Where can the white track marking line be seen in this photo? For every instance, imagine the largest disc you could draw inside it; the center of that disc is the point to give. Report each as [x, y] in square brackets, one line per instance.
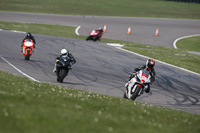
[76, 31]
[18, 31]
[121, 48]
[115, 44]
[13, 31]
[160, 61]
[174, 44]
[19, 70]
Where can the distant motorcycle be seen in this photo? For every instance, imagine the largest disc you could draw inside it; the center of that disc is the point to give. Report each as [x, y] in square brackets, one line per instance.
[63, 68]
[137, 85]
[27, 48]
[94, 35]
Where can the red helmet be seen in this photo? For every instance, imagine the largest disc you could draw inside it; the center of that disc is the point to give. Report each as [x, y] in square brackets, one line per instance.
[150, 63]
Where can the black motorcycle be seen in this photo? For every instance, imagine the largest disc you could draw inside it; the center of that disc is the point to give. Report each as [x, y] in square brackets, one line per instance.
[63, 68]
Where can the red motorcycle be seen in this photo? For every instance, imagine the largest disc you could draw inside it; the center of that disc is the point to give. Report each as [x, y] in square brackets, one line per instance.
[94, 35]
[27, 48]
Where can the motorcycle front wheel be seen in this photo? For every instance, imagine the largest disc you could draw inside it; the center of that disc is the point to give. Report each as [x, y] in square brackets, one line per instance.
[27, 57]
[61, 75]
[135, 93]
[88, 38]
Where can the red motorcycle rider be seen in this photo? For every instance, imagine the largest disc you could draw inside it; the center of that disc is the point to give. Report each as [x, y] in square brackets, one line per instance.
[28, 36]
[99, 33]
[95, 35]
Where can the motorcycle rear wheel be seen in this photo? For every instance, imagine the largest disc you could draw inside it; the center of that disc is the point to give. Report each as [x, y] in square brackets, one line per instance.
[124, 96]
[95, 38]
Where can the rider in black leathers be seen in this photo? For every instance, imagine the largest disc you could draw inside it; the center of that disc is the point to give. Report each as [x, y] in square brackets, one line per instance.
[150, 67]
[29, 36]
[65, 52]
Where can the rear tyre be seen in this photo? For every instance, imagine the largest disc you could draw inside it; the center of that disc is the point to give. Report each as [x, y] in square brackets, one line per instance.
[148, 89]
[58, 79]
[95, 38]
[124, 96]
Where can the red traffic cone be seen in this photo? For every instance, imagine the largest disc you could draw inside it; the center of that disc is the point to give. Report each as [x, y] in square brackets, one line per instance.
[156, 34]
[129, 30]
[104, 28]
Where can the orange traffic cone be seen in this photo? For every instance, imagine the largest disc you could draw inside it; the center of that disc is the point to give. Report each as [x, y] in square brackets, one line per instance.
[156, 34]
[104, 28]
[129, 30]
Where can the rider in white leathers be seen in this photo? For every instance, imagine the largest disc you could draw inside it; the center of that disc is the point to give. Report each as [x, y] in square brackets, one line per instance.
[150, 63]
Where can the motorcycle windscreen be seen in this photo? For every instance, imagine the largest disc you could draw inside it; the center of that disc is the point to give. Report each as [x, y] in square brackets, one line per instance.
[65, 60]
[145, 76]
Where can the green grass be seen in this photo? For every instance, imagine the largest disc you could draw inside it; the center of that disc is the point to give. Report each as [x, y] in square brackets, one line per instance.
[56, 30]
[31, 107]
[169, 55]
[172, 56]
[130, 8]
[189, 44]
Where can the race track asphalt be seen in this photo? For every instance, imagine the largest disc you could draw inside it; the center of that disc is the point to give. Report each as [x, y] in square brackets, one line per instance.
[101, 68]
[142, 29]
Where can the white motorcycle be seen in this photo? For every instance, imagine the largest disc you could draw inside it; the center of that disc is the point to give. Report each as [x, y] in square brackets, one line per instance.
[138, 84]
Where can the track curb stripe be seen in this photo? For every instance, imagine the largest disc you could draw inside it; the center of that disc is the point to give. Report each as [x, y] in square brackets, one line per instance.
[174, 43]
[19, 70]
[121, 48]
[76, 31]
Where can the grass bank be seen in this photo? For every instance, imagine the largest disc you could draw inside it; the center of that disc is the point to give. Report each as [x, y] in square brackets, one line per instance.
[130, 8]
[189, 44]
[176, 57]
[31, 107]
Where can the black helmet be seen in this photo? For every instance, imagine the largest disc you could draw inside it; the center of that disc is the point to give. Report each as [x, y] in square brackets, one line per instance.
[150, 63]
[29, 35]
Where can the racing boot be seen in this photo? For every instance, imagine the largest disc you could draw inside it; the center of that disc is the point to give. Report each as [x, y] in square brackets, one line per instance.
[148, 89]
[54, 70]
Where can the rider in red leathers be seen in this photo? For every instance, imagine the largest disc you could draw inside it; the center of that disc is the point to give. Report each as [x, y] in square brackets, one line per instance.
[99, 33]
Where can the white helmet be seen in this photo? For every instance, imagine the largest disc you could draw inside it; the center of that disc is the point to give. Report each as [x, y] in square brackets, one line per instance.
[64, 52]
[100, 29]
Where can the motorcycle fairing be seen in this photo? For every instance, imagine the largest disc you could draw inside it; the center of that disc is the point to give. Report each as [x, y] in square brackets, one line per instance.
[93, 33]
[141, 79]
[28, 45]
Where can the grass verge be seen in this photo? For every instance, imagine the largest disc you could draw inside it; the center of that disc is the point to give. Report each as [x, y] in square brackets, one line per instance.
[176, 57]
[189, 44]
[28, 106]
[130, 8]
